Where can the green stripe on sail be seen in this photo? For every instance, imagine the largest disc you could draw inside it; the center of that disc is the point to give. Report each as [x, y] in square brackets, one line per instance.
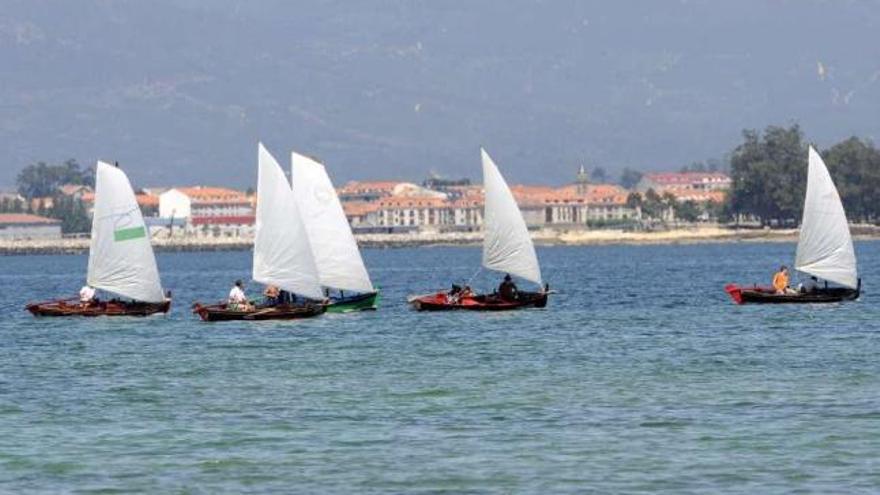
[129, 234]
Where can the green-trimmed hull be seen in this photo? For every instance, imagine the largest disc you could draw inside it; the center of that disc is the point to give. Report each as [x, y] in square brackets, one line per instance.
[360, 302]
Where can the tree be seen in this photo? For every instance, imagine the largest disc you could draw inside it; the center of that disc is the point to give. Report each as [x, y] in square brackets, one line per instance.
[689, 210]
[693, 167]
[769, 175]
[41, 179]
[629, 178]
[855, 167]
[71, 212]
[653, 205]
[634, 200]
[598, 175]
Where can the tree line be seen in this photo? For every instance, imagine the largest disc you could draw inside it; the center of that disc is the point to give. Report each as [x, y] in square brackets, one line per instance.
[769, 173]
[44, 180]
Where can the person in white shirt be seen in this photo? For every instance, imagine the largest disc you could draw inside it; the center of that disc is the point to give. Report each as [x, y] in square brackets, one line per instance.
[87, 295]
[237, 298]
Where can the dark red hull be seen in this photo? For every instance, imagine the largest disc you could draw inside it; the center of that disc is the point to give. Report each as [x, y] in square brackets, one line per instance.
[767, 295]
[221, 312]
[441, 301]
[108, 308]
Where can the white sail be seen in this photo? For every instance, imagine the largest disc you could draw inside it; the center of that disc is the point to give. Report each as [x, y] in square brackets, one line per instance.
[336, 253]
[825, 248]
[121, 259]
[507, 246]
[282, 255]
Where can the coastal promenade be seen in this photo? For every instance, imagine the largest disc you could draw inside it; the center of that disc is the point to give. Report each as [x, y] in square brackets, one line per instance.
[546, 237]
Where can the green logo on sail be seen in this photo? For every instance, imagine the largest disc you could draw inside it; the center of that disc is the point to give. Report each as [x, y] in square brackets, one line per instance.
[129, 234]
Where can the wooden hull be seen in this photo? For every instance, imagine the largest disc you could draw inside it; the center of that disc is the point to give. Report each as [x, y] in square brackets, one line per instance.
[360, 302]
[488, 302]
[103, 308]
[766, 295]
[220, 312]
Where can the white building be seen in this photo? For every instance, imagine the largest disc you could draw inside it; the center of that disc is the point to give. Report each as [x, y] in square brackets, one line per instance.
[209, 211]
[194, 202]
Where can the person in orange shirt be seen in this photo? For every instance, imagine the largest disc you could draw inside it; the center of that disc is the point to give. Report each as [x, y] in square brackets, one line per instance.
[780, 280]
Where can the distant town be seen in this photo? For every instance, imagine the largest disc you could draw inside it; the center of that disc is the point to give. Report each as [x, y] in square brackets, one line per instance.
[762, 186]
[437, 205]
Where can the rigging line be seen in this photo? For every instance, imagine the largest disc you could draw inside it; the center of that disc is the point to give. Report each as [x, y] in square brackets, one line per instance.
[480, 269]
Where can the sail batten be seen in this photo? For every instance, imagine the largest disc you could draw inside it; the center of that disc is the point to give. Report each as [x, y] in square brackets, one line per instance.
[825, 248]
[336, 253]
[282, 254]
[507, 245]
[121, 259]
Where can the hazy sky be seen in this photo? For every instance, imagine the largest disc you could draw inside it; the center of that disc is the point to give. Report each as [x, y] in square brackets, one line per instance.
[180, 91]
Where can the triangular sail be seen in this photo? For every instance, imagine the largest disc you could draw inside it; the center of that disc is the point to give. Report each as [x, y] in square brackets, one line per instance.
[507, 246]
[121, 259]
[825, 248]
[282, 255]
[336, 253]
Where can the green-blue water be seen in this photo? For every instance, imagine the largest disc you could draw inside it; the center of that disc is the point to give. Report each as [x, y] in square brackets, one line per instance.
[640, 376]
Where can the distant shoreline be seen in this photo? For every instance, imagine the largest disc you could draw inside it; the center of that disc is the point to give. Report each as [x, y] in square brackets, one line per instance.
[699, 235]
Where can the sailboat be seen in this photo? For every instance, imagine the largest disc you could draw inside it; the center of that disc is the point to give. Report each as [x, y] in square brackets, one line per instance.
[282, 254]
[824, 250]
[336, 254]
[121, 259]
[507, 248]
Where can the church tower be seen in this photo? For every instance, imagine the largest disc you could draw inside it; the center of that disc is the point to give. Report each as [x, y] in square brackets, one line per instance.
[582, 182]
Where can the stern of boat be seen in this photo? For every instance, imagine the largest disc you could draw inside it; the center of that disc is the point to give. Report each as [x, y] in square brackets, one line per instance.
[361, 302]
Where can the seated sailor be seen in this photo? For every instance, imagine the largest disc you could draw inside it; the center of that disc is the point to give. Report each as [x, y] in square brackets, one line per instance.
[508, 290]
[780, 281]
[272, 295]
[238, 301]
[285, 298]
[87, 295]
[454, 293]
[810, 286]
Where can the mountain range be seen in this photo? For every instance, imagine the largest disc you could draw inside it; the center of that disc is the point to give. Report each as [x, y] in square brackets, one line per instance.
[180, 91]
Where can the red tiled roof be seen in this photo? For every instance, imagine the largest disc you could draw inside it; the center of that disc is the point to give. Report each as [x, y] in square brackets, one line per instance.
[145, 199]
[142, 199]
[224, 220]
[412, 202]
[71, 189]
[218, 195]
[672, 178]
[25, 219]
[359, 187]
[358, 208]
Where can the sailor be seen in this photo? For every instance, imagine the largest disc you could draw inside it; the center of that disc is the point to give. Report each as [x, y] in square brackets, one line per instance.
[87, 295]
[454, 293]
[507, 289]
[780, 280]
[811, 285]
[237, 298]
[467, 292]
[272, 295]
[285, 297]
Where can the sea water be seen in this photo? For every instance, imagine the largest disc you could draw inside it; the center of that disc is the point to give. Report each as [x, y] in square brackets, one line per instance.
[639, 376]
